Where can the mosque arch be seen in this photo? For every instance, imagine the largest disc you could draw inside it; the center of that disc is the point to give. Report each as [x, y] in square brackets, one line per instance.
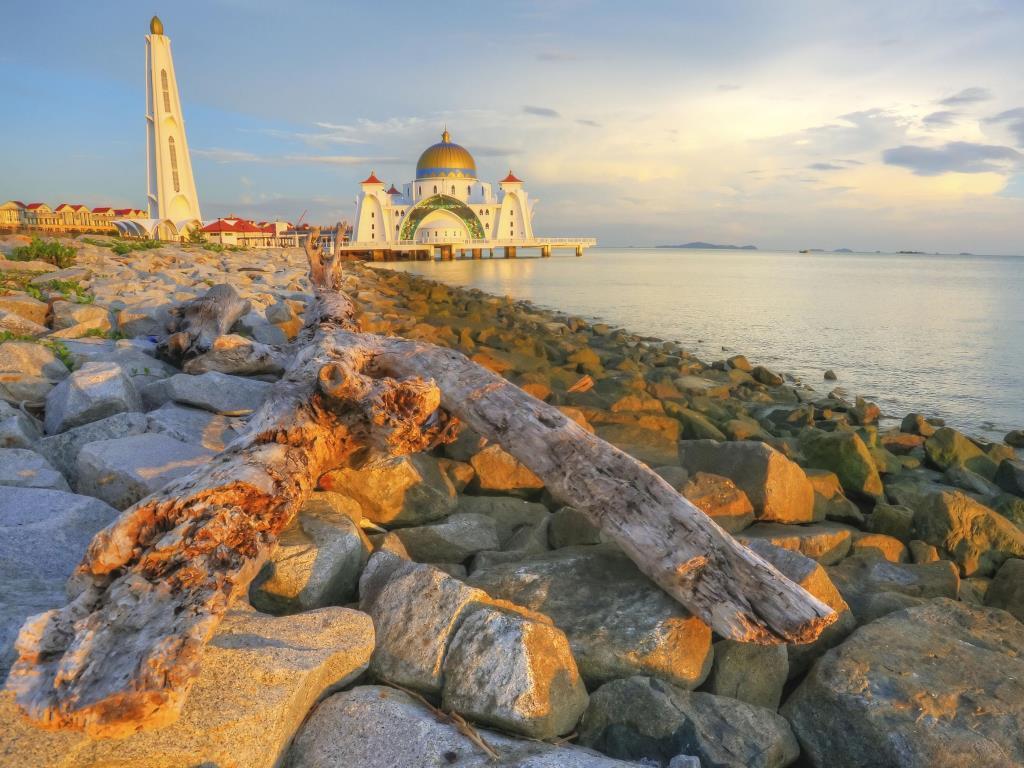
[446, 203]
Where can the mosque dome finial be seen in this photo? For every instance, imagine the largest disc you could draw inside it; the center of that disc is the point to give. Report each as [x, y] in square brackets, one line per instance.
[156, 27]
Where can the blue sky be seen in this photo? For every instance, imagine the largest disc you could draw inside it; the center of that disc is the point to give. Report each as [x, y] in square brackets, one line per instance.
[870, 125]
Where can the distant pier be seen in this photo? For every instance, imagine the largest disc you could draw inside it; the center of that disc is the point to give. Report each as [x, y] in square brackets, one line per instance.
[417, 250]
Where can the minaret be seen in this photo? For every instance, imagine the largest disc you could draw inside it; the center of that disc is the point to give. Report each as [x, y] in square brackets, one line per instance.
[172, 189]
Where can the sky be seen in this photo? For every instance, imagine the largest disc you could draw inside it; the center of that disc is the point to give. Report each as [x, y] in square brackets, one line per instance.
[787, 124]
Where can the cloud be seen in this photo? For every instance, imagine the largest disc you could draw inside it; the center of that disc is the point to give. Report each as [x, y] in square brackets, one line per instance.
[825, 167]
[941, 118]
[953, 157]
[589, 123]
[970, 95]
[222, 156]
[1014, 119]
[540, 111]
[219, 155]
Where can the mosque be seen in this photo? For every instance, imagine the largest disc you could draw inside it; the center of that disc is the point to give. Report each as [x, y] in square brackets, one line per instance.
[447, 209]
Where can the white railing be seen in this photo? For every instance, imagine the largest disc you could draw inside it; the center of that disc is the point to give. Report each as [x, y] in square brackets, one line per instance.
[533, 242]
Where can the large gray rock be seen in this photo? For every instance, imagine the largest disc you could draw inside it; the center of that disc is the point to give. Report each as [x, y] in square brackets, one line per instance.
[1010, 477]
[62, 450]
[936, 686]
[752, 673]
[318, 559]
[195, 425]
[416, 611]
[640, 718]
[827, 542]
[978, 538]
[259, 679]
[17, 429]
[452, 540]
[27, 469]
[861, 578]
[514, 673]
[947, 448]
[509, 514]
[406, 490]
[618, 622]
[95, 391]
[1007, 589]
[216, 392]
[777, 487]
[720, 499]
[43, 535]
[123, 470]
[499, 472]
[373, 726]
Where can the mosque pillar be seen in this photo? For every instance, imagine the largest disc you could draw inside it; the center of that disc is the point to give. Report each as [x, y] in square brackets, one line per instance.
[545, 251]
[462, 253]
[510, 252]
[477, 253]
[579, 250]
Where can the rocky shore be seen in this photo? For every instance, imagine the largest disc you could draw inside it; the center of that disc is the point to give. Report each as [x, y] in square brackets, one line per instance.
[444, 609]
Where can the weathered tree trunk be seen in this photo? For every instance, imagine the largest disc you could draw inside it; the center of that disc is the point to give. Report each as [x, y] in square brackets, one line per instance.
[155, 584]
[196, 324]
[679, 547]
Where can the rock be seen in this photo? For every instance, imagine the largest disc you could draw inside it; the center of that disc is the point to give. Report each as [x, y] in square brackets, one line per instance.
[778, 488]
[865, 412]
[569, 527]
[617, 621]
[23, 468]
[696, 426]
[216, 392]
[720, 499]
[879, 545]
[19, 326]
[95, 391]
[976, 537]
[765, 376]
[1015, 438]
[651, 446]
[739, 362]
[259, 679]
[26, 307]
[1010, 477]
[845, 454]
[236, 355]
[68, 314]
[936, 686]
[510, 515]
[921, 552]
[373, 726]
[124, 470]
[900, 443]
[947, 448]
[829, 501]
[28, 371]
[640, 718]
[17, 429]
[195, 425]
[752, 673]
[405, 490]
[318, 559]
[62, 450]
[892, 520]
[416, 611]
[916, 424]
[498, 472]
[827, 543]
[860, 577]
[459, 473]
[43, 535]
[455, 539]
[519, 675]
[1007, 589]
[830, 375]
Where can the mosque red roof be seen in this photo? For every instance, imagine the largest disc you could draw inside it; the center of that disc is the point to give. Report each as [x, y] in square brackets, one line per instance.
[393, 191]
[372, 179]
[511, 179]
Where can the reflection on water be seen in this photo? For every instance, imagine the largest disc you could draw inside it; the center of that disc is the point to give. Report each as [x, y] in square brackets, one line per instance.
[943, 335]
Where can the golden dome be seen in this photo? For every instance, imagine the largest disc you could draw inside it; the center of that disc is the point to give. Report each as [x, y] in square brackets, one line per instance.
[446, 159]
[156, 27]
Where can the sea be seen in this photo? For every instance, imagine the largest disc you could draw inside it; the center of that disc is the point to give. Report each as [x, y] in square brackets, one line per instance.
[940, 335]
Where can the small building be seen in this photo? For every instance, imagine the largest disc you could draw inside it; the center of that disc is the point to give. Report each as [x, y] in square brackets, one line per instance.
[11, 214]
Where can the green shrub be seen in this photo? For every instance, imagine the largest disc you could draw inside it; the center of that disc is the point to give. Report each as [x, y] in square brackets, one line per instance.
[121, 247]
[52, 252]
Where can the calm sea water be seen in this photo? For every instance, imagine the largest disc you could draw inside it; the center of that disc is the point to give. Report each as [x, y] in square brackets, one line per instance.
[942, 335]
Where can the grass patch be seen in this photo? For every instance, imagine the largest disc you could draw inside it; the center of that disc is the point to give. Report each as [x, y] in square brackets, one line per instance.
[50, 251]
[71, 290]
[121, 247]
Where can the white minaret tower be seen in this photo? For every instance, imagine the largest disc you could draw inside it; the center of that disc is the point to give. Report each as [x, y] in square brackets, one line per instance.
[172, 189]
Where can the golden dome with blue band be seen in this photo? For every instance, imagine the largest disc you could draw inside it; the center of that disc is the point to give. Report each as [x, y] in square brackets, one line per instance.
[446, 159]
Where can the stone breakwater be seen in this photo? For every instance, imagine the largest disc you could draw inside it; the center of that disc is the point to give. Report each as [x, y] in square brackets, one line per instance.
[456, 576]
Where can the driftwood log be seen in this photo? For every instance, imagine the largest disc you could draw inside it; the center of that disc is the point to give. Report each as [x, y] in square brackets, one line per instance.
[155, 584]
[196, 324]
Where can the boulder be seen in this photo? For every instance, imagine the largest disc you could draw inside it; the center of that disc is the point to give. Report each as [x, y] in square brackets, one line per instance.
[216, 392]
[827, 543]
[720, 499]
[19, 326]
[845, 454]
[43, 535]
[618, 622]
[947, 448]
[28, 371]
[25, 306]
[765, 376]
[372, 726]
[17, 429]
[260, 677]
[940, 685]
[62, 450]
[236, 355]
[569, 527]
[1007, 589]
[892, 520]
[978, 538]
[879, 545]
[405, 490]
[778, 488]
[519, 675]
[24, 468]
[499, 472]
[510, 515]
[651, 446]
[861, 577]
[93, 392]
[195, 425]
[752, 673]
[126, 469]
[829, 501]
[317, 561]
[1010, 477]
[68, 314]
[916, 424]
[641, 718]
[453, 540]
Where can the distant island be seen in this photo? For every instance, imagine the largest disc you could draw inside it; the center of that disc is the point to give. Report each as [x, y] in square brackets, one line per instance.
[712, 247]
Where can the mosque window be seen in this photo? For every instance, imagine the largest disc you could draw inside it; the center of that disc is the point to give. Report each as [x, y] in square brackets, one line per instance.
[371, 214]
[167, 91]
[419, 190]
[469, 191]
[435, 189]
[174, 163]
